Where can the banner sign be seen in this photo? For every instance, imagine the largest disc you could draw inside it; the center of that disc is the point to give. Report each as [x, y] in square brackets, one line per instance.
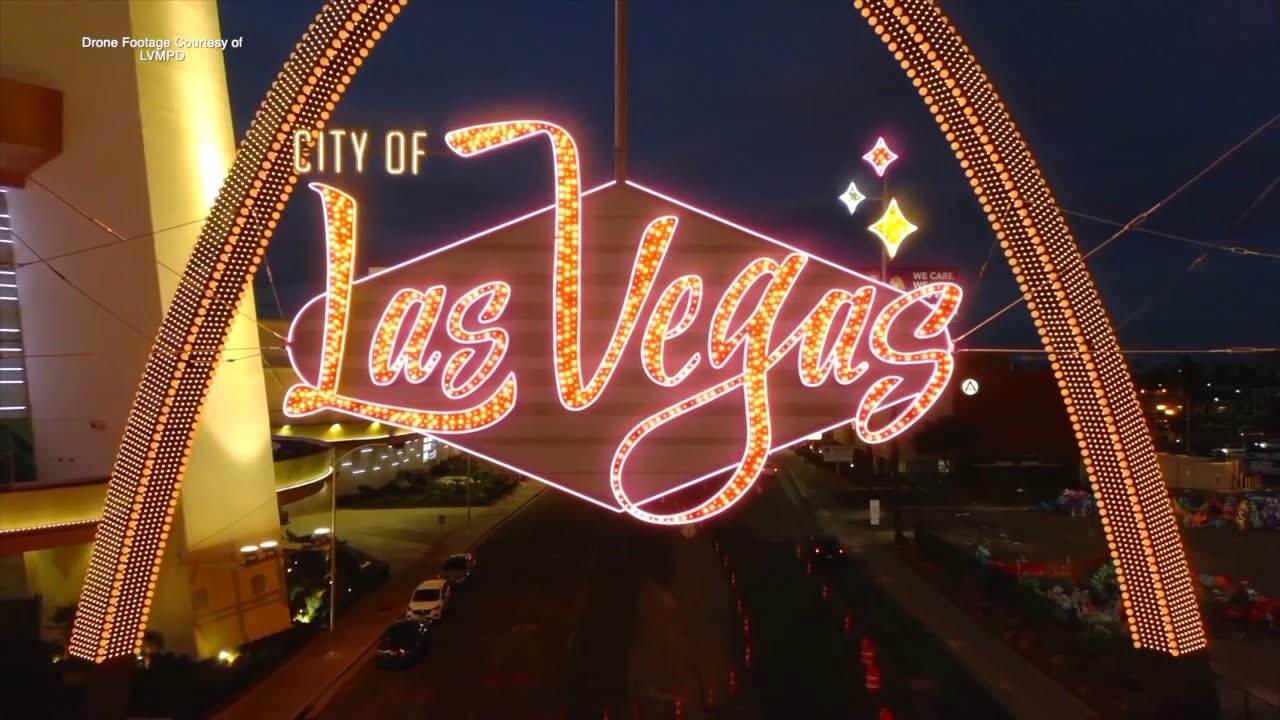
[914, 278]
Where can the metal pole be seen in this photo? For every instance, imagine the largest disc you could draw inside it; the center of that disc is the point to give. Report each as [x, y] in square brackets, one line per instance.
[333, 548]
[333, 531]
[620, 91]
[468, 493]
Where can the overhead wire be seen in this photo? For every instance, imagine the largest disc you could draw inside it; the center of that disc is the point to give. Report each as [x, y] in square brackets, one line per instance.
[99, 246]
[79, 289]
[120, 239]
[1141, 217]
[1233, 249]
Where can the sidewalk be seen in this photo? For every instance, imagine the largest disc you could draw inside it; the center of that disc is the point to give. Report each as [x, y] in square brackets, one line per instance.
[1022, 689]
[301, 681]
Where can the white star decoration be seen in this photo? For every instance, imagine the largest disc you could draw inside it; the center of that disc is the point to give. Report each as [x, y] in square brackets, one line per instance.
[851, 198]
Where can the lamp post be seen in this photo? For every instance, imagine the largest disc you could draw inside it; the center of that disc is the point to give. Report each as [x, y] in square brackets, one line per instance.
[332, 530]
[892, 229]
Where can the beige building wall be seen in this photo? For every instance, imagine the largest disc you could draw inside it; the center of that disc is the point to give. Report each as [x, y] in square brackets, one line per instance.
[146, 145]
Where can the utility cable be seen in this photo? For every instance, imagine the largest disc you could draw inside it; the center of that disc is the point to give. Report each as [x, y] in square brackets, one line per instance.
[1234, 249]
[1141, 217]
[120, 239]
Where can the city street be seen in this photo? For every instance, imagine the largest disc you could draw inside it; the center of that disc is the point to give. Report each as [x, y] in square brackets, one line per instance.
[805, 665]
[572, 610]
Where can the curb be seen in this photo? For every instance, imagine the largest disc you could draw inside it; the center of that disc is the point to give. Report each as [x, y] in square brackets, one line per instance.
[320, 701]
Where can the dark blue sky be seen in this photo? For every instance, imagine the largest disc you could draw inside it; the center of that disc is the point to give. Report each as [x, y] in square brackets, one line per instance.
[760, 111]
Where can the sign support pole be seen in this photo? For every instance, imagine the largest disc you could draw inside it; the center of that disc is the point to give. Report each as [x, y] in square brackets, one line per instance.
[620, 147]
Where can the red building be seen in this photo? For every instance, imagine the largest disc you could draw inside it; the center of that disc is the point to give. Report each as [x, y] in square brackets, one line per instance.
[1015, 408]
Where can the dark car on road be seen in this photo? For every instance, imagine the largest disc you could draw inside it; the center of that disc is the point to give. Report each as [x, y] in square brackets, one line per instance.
[403, 644]
[825, 547]
[458, 568]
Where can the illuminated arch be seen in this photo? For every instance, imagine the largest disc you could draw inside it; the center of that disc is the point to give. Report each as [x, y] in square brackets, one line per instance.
[1115, 443]
[143, 492]
[1096, 385]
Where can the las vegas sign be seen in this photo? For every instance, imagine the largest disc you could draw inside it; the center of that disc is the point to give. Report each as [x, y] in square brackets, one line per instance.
[619, 345]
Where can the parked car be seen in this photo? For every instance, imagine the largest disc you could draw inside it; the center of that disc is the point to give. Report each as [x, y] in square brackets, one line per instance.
[825, 547]
[430, 600]
[458, 568]
[404, 643]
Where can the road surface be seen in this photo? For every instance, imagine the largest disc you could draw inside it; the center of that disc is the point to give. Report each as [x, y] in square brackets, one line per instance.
[575, 611]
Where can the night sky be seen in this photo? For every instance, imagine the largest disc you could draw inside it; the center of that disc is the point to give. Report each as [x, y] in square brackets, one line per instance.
[760, 112]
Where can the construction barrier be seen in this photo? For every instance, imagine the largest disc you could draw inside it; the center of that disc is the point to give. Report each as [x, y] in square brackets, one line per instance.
[868, 651]
[873, 678]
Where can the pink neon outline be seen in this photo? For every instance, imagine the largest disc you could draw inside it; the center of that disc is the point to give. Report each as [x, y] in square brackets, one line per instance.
[399, 365]
[326, 397]
[721, 349]
[816, 258]
[499, 294]
[325, 191]
[784, 276]
[293, 326]
[889, 355]
[782, 446]
[866, 280]
[869, 158]
[689, 298]
[584, 394]
[826, 365]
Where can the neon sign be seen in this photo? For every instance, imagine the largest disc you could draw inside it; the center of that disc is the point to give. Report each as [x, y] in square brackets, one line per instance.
[1097, 387]
[700, 322]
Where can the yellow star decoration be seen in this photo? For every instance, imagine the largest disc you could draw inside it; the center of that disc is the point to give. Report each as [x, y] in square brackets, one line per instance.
[892, 228]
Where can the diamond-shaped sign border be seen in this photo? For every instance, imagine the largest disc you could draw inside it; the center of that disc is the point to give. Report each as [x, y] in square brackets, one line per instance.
[460, 440]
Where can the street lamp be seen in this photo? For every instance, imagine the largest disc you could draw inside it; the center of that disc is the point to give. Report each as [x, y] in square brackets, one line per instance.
[892, 230]
[331, 531]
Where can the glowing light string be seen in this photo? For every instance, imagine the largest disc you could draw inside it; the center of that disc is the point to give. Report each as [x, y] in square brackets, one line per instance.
[303, 399]
[1155, 580]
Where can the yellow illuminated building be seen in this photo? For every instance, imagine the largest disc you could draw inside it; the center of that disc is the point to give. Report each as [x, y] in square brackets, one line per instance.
[142, 149]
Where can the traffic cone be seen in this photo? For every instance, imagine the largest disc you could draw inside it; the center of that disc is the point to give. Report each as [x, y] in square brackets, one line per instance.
[873, 678]
[868, 651]
[679, 709]
[848, 624]
[733, 682]
[886, 714]
[826, 590]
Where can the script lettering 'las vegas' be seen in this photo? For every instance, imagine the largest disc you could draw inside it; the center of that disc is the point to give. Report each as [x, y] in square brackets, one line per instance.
[829, 341]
